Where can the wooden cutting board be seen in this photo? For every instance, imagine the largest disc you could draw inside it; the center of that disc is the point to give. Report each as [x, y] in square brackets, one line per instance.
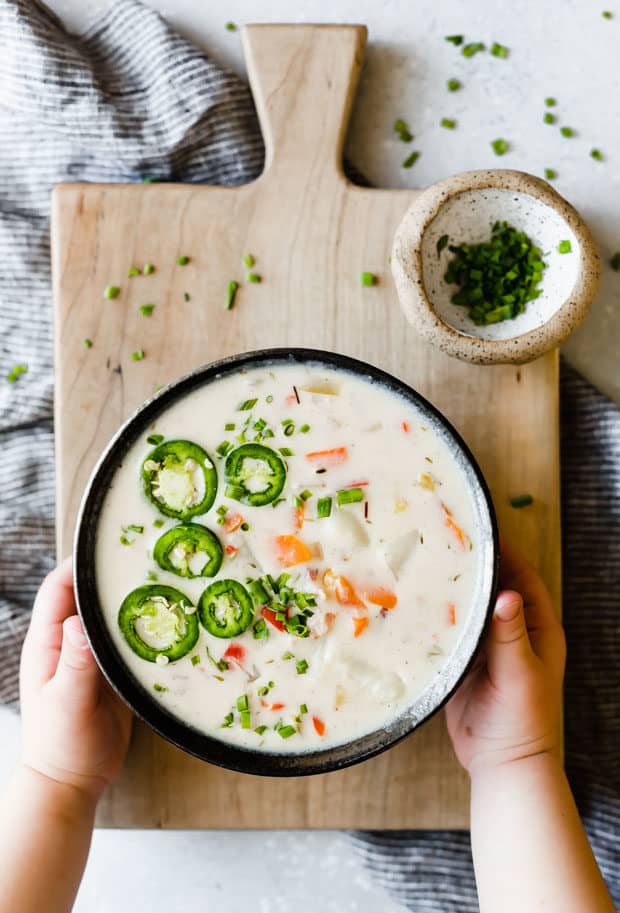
[312, 233]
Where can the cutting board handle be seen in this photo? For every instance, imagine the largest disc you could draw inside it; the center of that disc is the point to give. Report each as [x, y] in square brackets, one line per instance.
[303, 78]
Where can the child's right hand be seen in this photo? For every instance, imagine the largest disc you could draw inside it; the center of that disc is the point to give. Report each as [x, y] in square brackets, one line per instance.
[509, 706]
[75, 729]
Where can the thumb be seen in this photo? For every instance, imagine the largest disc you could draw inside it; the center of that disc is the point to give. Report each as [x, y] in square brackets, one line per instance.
[77, 674]
[508, 646]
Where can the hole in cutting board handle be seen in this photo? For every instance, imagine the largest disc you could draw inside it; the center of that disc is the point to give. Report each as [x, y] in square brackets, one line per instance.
[303, 78]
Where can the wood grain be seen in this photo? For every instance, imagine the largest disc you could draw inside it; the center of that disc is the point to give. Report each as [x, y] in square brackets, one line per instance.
[312, 234]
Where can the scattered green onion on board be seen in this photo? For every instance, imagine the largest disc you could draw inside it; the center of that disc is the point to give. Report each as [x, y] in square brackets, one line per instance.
[496, 278]
[597, 155]
[349, 496]
[249, 260]
[454, 39]
[567, 131]
[607, 14]
[147, 309]
[301, 666]
[549, 118]
[254, 277]
[154, 439]
[133, 271]
[231, 27]
[500, 146]
[475, 47]
[148, 269]
[550, 101]
[182, 260]
[323, 507]
[286, 731]
[565, 247]
[551, 174]
[138, 355]
[454, 85]
[111, 291]
[231, 292]
[521, 501]
[185, 296]
[448, 123]
[499, 50]
[88, 343]
[368, 279]
[160, 688]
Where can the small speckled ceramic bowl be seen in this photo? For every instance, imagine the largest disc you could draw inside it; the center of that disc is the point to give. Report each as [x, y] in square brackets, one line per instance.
[464, 207]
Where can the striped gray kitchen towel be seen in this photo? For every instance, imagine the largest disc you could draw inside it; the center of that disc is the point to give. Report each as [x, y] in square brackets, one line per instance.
[129, 99]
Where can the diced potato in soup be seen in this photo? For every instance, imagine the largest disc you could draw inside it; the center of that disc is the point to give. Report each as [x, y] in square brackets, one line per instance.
[288, 560]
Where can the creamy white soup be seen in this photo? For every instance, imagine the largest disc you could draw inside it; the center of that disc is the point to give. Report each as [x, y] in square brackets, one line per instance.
[287, 560]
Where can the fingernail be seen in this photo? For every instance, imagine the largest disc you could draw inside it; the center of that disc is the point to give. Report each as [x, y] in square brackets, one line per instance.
[74, 633]
[508, 606]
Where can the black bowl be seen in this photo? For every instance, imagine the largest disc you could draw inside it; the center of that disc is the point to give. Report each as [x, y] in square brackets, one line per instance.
[185, 736]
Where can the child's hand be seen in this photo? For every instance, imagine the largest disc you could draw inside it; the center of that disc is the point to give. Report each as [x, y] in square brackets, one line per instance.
[74, 728]
[509, 705]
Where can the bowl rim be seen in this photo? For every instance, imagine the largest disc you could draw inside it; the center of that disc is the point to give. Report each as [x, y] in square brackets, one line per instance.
[117, 673]
[407, 269]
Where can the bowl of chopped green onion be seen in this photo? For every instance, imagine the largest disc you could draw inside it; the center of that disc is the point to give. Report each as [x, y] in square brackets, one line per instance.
[494, 266]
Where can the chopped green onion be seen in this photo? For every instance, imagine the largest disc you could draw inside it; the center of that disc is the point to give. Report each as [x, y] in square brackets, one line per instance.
[448, 123]
[411, 159]
[228, 721]
[247, 404]
[551, 174]
[222, 510]
[147, 309]
[441, 244]
[254, 277]
[155, 439]
[521, 501]
[305, 429]
[246, 722]
[88, 343]
[231, 27]
[401, 128]
[496, 278]
[301, 666]
[229, 426]
[231, 293]
[288, 655]
[260, 729]
[549, 118]
[125, 541]
[245, 526]
[223, 448]
[349, 496]
[286, 451]
[195, 659]
[133, 271]
[242, 702]
[323, 507]
[454, 39]
[111, 291]
[135, 528]
[550, 102]
[567, 131]
[368, 279]
[565, 247]
[263, 691]
[160, 688]
[303, 708]
[454, 85]
[158, 523]
[182, 260]
[260, 630]
[607, 14]
[151, 576]
[269, 398]
[289, 430]
[148, 269]
[249, 261]
[138, 355]
[499, 50]
[615, 262]
[469, 50]
[286, 731]
[306, 494]
[185, 296]
[597, 155]
[500, 146]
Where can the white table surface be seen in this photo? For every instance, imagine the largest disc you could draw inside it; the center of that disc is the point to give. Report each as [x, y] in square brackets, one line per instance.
[562, 48]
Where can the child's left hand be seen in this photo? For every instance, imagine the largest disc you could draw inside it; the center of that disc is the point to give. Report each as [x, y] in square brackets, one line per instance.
[74, 727]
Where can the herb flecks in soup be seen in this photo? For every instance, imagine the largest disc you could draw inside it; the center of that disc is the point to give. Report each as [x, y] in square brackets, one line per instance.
[307, 562]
